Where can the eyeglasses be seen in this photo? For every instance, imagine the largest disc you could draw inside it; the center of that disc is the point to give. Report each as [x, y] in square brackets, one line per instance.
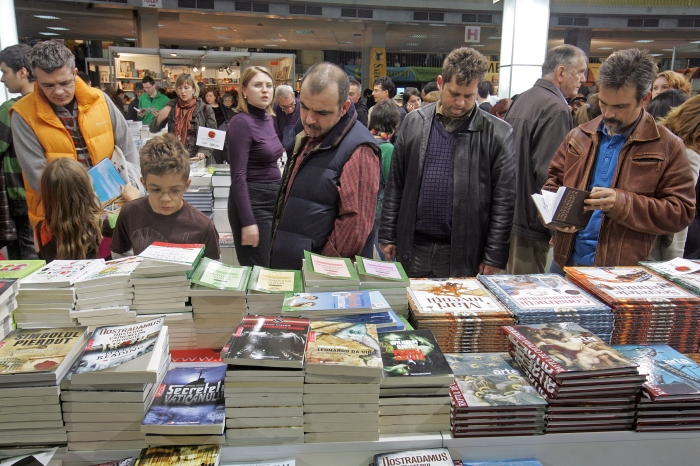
[51, 88]
[172, 193]
[288, 107]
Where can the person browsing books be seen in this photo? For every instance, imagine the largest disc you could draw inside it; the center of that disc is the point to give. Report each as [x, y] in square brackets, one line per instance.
[163, 215]
[151, 102]
[637, 171]
[253, 151]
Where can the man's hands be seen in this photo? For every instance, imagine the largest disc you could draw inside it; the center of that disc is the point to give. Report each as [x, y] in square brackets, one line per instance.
[601, 199]
[389, 251]
[488, 269]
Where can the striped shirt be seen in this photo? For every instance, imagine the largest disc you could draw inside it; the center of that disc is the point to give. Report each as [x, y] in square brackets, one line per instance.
[69, 117]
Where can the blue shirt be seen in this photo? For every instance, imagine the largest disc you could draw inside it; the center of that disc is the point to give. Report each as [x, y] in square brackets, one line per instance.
[604, 168]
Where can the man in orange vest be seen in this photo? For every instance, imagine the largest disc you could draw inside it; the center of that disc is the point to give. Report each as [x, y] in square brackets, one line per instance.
[63, 117]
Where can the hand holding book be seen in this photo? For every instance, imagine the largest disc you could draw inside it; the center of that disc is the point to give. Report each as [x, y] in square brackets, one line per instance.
[601, 199]
[566, 210]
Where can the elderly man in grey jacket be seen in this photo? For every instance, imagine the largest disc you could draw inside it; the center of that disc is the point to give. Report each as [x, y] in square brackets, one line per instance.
[541, 119]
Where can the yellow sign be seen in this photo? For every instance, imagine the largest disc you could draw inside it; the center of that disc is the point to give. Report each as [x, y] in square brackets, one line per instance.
[377, 63]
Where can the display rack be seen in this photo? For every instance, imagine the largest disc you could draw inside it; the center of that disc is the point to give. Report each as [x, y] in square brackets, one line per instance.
[98, 67]
[129, 65]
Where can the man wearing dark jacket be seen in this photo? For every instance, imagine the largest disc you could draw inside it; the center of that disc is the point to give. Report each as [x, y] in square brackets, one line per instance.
[355, 95]
[448, 202]
[541, 119]
[328, 197]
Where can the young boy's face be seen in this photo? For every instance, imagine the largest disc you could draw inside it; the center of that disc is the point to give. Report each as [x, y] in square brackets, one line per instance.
[165, 192]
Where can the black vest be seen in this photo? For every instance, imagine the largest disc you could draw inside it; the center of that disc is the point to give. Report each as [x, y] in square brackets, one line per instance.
[306, 219]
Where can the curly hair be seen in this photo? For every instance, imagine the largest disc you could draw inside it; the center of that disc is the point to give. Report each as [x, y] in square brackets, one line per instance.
[684, 122]
[73, 213]
[48, 56]
[676, 81]
[165, 154]
[466, 65]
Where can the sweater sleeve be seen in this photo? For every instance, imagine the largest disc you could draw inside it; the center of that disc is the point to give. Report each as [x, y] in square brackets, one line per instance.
[238, 153]
[5, 126]
[30, 152]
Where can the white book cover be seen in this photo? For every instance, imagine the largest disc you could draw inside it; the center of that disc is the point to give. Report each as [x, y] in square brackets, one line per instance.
[169, 252]
[62, 273]
[113, 271]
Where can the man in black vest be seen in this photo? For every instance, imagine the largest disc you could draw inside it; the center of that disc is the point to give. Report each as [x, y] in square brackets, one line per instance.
[449, 199]
[329, 190]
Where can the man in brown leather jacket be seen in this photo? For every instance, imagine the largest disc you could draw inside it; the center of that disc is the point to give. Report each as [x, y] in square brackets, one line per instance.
[637, 171]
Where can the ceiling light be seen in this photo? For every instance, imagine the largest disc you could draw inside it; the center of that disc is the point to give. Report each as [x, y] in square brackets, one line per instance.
[419, 36]
[223, 37]
[644, 41]
[302, 31]
[221, 28]
[204, 68]
[278, 40]
[173, 54]
[130, 39]
[437, 25]
[49, 34]
[476, 45]
[195, 69]
[494, 38]
[228, 70]
[667, 50]
[271, 45]
[657, 54]
[46, 17]
[160, 25]
[412, 44]
[695, 42]
[57, 28]
[605, 48]
[345, 42]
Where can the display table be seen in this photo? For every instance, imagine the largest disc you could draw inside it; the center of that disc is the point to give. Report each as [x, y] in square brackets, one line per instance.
[598, 448]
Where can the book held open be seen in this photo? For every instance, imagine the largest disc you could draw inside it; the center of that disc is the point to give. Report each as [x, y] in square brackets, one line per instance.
[563, 208]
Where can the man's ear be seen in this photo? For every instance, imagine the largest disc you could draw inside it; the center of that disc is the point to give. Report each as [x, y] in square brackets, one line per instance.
[187, 185]
[143, 182]
[440, 82]
[645, 100]
[345, 107]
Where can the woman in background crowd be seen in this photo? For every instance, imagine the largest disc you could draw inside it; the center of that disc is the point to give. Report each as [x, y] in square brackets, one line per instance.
[669, 80]
[184, 115]
[664, 102]
[211, 95]
[411, 99]
[431, 97]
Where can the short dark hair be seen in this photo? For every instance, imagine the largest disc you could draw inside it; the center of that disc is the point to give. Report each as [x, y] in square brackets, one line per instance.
[385, 117]
[387, 85]
[17, 57]
[565, 55]
[633, 68]
[138, 86]
[163, 155]
[355, 82]
[50, 55]
[465, 64]
[321, 75]
[410, 92]
[484, 89]
[661, 105]
[149, 80]
[84, 76]
[430, 87]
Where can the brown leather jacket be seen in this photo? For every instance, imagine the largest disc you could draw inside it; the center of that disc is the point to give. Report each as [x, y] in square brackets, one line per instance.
[654, 184]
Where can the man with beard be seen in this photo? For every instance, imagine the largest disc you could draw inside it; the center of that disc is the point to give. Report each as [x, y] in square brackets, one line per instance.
[640, 180]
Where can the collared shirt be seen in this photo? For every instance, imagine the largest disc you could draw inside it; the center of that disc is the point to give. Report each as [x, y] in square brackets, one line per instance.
[450, 123]
[603, 171]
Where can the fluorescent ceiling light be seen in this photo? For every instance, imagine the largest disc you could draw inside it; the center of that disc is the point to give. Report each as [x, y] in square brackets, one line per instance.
[130, 39]
[49, 34]
[419, 36]
[46, 17]
[695, 42]
[221, 28]
[605, 48]
[271, 45]
[173, 54]
[57, 28]
[476, 45]
[644, 41]
[657, 54]
[494, 38]
[223, 37]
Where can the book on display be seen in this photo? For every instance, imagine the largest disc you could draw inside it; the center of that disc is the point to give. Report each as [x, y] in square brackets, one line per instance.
[321, 271]
[413, 358]
[207, 455]
[431, 457]
[169, 257]
[563, 208]
[61, 273]
[19, 268]
[217, 275]
[113, 272]
[326, 304]
[39, 458]
[515, 462]
[380, 274]
[683, 272]
[338, 348]
[266, 281]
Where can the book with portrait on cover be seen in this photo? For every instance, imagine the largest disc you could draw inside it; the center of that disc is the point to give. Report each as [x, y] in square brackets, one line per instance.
[343, 348]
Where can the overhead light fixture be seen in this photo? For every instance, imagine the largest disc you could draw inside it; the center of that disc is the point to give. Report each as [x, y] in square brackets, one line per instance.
[656, 54]
[494, 38]
[223, 37]
[605, 48]
[419, 36]
[49, 34]
[278, 40]
[221, 28]
[130, 39]
[412, 44]
[195, 69]
[695, 42]
[668, 50]
[345, 43]
[160, 25]
[228, 70]
[57, 28]
[442, 25]
[204, 68]
[476, 45]
[271, 45]
[644, 41]
[46, 17]
[173, 54]
[303, 31]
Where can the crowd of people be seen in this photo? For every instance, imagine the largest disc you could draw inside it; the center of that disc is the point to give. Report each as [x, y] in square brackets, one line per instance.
[439, 178]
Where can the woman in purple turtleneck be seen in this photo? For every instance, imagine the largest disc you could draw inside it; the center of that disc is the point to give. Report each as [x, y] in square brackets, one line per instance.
[253, 151]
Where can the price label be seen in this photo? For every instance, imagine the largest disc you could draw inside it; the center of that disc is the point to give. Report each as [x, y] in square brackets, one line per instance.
[211, 138]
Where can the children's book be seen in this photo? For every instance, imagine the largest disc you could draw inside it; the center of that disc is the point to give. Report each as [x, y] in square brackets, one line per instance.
[19, 269]
[106, 181]
[62, 273]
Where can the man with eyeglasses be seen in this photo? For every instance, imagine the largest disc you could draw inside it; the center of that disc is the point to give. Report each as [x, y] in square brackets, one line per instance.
[286, 115]
[64, 117]
[151, 102]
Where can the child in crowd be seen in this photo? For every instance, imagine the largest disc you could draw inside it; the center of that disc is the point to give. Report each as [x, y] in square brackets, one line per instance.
[73, 226]
[163, 215]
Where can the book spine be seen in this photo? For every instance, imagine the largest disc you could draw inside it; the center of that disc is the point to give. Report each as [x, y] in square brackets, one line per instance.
[539, 379]
[550, 366]
[457, 397]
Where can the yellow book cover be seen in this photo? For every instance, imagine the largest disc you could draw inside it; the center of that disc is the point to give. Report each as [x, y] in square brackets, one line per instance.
[344, 344]
[39, 350]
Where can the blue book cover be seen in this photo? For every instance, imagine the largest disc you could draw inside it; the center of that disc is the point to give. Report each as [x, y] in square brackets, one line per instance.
[537, 293]
[670, 375]
[106, 181]
[308, 304]
[383, 320]
[189, 401]
[522, 462]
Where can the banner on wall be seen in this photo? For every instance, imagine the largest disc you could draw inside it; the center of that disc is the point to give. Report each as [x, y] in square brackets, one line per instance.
[377, 62]
[399, 74]
[152, 3]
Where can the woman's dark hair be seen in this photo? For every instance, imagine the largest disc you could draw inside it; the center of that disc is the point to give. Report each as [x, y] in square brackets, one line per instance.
[410, 91]
[385, 117]
[664, 102]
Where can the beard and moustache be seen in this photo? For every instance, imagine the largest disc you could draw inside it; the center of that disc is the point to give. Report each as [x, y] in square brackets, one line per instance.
[613, 125]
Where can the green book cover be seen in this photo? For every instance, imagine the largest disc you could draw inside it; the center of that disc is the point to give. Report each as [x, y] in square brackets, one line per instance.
[214, 274]
[19, 269]
[340, 268]
[385, 270]
[263, 280]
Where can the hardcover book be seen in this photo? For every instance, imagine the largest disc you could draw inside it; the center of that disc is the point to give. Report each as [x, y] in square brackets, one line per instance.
[563, 208]
[690, 281]
[479, 364]
[268, 341]
[214, 274]
[189, 401]
[497, 388]
[264, 280]
[454, 297]
[19, 269]
[326, 303]
[431, 457]
[343, 348]
[62, 273]
[413, 354]
[205, 455]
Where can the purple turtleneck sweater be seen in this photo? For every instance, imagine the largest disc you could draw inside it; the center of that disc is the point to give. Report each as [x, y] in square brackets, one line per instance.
[253, 151]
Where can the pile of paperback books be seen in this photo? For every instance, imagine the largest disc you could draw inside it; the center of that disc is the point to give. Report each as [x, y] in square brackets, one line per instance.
[648, 308]
[491, 398]
[589, 385]
[387, 277]
[323, 273]
[546, 298]
[267, 289]
[462, 314]
[671, 398]
[10, 274]
[202, 455]
[265, 381]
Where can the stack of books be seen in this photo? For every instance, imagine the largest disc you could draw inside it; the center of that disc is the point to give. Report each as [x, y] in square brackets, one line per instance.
[431, 457]
[492, 398]
[202, 455]
[341, 384]
[47, 297]
[414, 391]
[323, 273]
[32, 363]
[462, 314]
[201, 198]
[545, 298]
[671, 397]
[267, 289]
[648, 308]
[265, 381]
[324, 305]
[387, 277]
[221, 182]
[105, 296]
[112, 384]
[161, 286]
[12, 270]
[188, 408]
[218, 296]
[381, 316]
[589, 385]
[683, 272]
